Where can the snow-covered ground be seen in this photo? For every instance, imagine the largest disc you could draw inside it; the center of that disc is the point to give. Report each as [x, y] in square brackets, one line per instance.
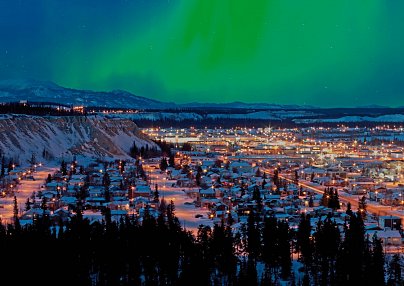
[23, 191]
[184, 209]
[99, 137]
[382, 118]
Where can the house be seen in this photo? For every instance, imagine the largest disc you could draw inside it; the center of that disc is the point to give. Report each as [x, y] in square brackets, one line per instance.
[33, 213]
[60, 215]
[392, 222]
[208, 193]
[54, 186]
[241, 167]
[389, 237]
[142, 191]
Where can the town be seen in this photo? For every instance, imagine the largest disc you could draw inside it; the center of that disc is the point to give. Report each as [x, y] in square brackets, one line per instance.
[241, 177]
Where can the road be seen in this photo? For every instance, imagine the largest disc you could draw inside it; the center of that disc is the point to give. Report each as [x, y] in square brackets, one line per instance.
[23, 191]
[184, 209]
[375, 209]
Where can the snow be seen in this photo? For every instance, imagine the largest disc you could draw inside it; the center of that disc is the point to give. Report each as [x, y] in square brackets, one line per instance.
[382, 118]
[24, 190]
[185, 212]
[44, 91]
[22, 135]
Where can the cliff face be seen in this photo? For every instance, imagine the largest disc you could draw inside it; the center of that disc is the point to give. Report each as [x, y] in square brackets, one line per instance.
[98, 137]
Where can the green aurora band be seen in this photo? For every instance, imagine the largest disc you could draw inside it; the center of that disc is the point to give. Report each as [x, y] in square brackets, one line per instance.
[317, 52]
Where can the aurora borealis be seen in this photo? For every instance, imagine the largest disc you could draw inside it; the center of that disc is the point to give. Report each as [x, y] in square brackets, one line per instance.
[316, 52]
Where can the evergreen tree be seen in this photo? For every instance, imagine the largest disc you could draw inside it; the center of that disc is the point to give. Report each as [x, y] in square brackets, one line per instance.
[63, 168]
[134, 151]
[349, 209]
[336, 200]
[198, 178]
[107, 194]
[163, 164]
[264, 182]
[325, 198]
[377, 265]
[49, 178]
[327, 242]
[44, 205]
[285, 261]
[10, 166]
[106, 180]
[362, 207]
[156, 194]
[394, 271]
[163, 206]
[171, 161]
[253, 236]
[3, 167]
[270, 249]
[350, 261]
[276, 178]
[33, 159]
[304, 242]
[27, 205]
[256, 196]
[296, 179]
[15, 208]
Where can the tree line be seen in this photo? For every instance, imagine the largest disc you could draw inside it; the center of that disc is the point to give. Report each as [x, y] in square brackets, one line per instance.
[159, 251]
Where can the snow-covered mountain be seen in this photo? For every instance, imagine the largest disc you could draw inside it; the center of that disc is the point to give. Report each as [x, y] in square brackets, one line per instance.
[244, 105]
[42, 91]
[394, 118]
[94, 136]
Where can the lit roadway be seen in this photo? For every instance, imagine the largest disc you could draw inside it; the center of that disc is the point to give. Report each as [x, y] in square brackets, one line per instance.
[185, 210]
[376, 209]
[23, 191]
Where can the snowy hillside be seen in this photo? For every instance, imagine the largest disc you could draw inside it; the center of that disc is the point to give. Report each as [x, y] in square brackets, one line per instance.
[154, 116]
[267, 115]
[181, 116]
[243, 105]
[97, 137]
[39, 91]
[382, 118]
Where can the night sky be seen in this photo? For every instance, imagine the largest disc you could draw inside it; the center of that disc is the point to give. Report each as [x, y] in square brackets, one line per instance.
[316, 52]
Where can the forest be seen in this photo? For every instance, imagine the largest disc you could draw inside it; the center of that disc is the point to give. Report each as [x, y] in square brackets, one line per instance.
[158, 251]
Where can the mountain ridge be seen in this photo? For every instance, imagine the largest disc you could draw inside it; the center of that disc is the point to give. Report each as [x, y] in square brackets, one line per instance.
[15, 90]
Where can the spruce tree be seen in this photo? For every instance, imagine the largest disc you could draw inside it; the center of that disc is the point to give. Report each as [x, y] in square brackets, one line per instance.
[163, 164]
[3, 167]
[15, 208]
[304, 241]
[44, 205]
[270, 249]
[27, 205]
[285, 261]
[156, 194]
[362, 207]
[394, 270]
[377, 269]
[253, 236]
[171, 160]
[106, 180]
[63, 168]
